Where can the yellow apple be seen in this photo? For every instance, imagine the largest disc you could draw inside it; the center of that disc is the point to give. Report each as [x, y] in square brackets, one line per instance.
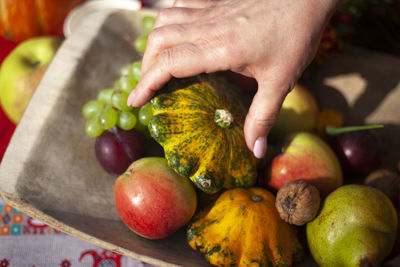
[21, 72]
[298, 113]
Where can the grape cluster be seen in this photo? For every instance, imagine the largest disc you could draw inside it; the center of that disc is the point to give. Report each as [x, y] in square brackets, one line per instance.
[141, 41]
[110, 108]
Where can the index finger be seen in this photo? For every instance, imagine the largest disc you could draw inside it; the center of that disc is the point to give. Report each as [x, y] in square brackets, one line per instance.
[180, 61]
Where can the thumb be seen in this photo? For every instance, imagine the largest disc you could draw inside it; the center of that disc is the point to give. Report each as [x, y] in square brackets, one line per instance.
[262, 113]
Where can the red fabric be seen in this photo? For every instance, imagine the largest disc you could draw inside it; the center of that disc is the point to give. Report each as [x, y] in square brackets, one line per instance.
[5, 48]
[6, 130]
[6, 126]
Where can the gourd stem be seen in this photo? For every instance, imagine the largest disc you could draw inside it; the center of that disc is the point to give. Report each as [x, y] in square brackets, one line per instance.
[223, 118]
[333, 131]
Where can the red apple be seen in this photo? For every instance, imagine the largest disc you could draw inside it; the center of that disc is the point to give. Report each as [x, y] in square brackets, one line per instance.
[152, 200]
[307, 157]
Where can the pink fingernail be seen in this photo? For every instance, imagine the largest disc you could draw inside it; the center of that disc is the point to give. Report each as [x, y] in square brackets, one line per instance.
[130, 98]
[259, 147]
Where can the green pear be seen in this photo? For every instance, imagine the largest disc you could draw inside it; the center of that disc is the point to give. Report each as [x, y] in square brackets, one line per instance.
[356, 226]
[298, 113]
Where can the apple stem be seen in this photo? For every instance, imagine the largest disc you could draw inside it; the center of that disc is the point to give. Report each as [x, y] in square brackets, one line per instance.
[36, 64]
[333, 130]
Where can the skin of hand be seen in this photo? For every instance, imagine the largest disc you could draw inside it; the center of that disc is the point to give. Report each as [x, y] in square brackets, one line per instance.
[272, 41]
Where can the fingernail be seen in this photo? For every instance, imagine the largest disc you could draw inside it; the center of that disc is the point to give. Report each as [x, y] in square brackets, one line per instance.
[259, 147]
[130, 98]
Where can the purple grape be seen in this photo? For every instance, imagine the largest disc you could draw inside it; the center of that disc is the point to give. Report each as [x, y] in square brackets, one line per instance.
[358, 152]
[116, 149]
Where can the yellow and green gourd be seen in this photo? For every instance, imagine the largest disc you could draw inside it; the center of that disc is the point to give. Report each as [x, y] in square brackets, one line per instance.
[243, 228]
[199, 123]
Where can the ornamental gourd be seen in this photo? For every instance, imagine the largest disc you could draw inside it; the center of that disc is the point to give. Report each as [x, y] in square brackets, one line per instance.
[243, 228]
[23, 19]
[199, 122]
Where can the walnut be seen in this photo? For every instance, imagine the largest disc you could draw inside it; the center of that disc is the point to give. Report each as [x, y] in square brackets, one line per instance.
[387, 181]
[297, 202]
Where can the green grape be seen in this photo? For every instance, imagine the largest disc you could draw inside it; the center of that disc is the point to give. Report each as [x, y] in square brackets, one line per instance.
[119, 100]
[136, 69]
[125, 83]
[125, 70]
[108, 118]
[106, 95]
[142, 128]
[140, 43]
[93, 127]
[145, 113]
[139, 125]
[118, 84]
[91, 108]
[126, 120]
[148, 23]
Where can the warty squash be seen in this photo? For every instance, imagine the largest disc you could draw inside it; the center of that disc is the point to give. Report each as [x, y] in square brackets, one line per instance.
[199, 122]
[23, 19]
[243, 228]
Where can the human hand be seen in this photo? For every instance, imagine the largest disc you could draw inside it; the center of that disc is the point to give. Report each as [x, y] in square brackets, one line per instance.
[272, 41]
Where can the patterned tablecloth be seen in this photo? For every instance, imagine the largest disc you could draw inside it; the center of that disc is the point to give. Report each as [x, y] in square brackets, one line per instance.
[25, 241]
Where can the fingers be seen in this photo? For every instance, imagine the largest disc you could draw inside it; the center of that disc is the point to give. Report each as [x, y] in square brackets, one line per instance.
[180, 61]
[168, 36]
[185, 11]
[194, 3]
[178, 15]
[175, 26]
[262, 114]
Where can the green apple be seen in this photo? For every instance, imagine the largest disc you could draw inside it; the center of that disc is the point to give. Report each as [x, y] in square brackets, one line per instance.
[21, 72]
[298, 113]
